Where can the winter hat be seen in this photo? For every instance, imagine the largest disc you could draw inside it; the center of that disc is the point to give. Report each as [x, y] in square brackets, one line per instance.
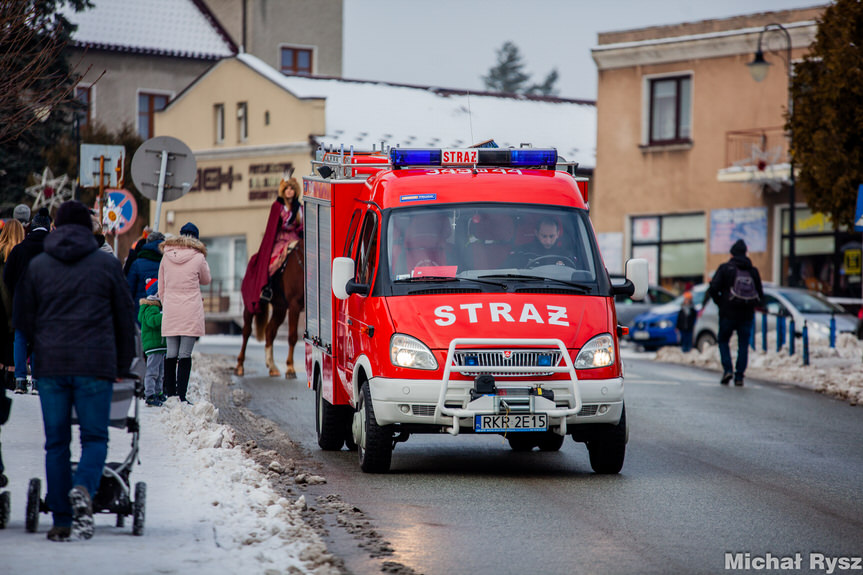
[42, 219]
[156, 237]
[74, 212]
[21, 213]
[189, 229]
[152, 287]
[739, 248]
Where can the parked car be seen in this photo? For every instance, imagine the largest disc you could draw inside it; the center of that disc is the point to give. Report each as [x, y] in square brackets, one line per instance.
[657, 327]
[627, 309]
[793, 303]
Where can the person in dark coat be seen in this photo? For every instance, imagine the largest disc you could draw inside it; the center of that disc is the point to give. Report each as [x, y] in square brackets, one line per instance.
[74, 305]
[686, 322]
[16, 265]
[144, 268]
[736, 289]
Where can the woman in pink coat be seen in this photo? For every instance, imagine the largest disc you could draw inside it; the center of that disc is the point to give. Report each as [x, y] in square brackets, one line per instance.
[182, 272]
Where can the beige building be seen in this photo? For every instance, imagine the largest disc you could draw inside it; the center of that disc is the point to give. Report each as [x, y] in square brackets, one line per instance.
[692, 152]
[246, 123]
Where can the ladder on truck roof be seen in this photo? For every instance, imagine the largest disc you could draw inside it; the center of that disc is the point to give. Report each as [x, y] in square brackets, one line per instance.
[337, 164]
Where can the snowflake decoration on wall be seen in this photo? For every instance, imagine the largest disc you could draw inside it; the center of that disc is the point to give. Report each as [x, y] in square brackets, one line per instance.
[50, 192]
[765, 175]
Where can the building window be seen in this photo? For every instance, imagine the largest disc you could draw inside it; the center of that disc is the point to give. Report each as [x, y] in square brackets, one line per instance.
[84, 94]
[242, 121]
[148, 105]
[296, 61]
[219, 122]
[674, 248]
[670, 110]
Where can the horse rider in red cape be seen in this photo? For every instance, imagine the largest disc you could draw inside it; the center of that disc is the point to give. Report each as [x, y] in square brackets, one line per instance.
[284, 229]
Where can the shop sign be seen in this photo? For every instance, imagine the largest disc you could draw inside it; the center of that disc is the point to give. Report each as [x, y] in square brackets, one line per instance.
[213, 178]
[728, 226]
[264, 179]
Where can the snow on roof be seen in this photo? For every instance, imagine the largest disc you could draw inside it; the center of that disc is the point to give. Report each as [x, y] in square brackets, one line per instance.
[165, 27]
[363, 113]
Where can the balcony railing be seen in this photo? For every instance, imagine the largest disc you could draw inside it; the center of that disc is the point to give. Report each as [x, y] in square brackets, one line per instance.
[758, 148]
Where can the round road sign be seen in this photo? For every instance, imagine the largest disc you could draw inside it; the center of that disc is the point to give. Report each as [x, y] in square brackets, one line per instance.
[181, 168]
[120, 211]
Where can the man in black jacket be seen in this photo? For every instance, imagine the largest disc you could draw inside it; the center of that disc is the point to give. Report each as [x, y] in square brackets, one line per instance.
[19, 258]
[736, 289]
[73, 304]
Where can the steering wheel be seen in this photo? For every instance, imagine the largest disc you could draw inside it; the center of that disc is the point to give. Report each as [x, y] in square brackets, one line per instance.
[551, 259]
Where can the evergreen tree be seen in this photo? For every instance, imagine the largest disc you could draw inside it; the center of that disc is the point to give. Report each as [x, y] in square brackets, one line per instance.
[547, 87]
[36, 88]
[507, 76]
[827, 120]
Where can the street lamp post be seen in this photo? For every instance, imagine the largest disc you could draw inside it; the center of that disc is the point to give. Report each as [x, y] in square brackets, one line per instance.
[759, 68]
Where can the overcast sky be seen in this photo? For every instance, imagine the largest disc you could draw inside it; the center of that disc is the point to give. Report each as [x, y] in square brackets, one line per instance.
[452, 43]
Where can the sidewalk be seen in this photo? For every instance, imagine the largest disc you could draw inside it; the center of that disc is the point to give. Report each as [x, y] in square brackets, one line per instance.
[834, 371]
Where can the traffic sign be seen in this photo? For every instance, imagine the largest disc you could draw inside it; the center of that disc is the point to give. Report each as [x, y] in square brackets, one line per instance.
[858, 213]
[88, 171]
[120, 211]
[180, 169]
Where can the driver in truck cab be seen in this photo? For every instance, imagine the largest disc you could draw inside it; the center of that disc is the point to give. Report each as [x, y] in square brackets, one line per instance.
[546, 245]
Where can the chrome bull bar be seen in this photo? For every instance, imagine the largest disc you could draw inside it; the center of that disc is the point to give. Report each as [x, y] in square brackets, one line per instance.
[491, 404]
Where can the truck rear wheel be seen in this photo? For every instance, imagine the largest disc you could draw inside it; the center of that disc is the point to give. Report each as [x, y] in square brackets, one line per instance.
[329, 424]
[607, 447]
[374, 443]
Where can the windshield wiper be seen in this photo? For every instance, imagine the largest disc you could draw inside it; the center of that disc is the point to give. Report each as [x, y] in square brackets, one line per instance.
[582, 287]
[445, 279]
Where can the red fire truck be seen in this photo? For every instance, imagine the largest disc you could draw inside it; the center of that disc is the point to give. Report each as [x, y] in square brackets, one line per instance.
[461, 292]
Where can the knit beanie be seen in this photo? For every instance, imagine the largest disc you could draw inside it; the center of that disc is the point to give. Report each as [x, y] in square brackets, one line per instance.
[152, 287]
[739, 248]
[189, 229]
[74, 212]
[42, 219]
[22, 213]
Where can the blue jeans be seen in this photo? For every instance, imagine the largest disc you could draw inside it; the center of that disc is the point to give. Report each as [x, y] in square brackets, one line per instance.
[19, 355]
[686, 341]
[91, 398]
[743, 327]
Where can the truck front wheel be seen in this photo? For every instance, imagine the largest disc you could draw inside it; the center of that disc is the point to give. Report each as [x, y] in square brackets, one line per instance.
[607, 447]
[374, 443]
[328, 423]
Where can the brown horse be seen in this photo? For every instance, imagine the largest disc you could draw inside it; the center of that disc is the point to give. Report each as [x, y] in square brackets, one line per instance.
[286, 301]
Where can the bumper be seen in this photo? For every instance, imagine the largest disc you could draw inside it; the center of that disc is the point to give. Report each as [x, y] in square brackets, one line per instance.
[412, 401]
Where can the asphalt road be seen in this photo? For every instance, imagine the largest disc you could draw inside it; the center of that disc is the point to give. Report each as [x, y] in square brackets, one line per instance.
[709, 469]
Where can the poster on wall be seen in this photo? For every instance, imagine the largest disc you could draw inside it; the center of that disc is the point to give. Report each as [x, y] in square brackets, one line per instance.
[651, 254]
[611, 248]
[729, 225]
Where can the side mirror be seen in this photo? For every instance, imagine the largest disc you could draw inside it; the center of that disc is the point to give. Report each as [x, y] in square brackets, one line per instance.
[343, 272]
[636, 272]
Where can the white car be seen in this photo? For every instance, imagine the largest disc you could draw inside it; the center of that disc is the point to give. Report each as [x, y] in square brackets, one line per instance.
[794, 303]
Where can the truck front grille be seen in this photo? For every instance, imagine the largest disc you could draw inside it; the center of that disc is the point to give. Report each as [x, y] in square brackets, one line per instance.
[508, 358]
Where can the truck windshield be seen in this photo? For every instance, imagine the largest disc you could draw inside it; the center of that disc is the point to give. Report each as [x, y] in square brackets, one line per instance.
[491, 242]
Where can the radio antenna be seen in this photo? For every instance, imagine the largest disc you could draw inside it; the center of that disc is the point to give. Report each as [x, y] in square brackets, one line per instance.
[470, 116]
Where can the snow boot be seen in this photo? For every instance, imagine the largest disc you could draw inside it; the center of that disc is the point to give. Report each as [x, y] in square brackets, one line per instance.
[33, 389]
[184, 370]
[20, 386]
[154, 401]
[82, 513]
[170, 384]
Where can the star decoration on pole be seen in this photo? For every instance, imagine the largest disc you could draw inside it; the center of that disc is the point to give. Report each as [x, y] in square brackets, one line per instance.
[50, 192]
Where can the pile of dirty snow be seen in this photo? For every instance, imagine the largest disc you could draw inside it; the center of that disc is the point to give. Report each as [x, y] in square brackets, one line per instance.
[835, 371]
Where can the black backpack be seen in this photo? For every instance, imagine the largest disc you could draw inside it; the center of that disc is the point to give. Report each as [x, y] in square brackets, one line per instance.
[743, 290]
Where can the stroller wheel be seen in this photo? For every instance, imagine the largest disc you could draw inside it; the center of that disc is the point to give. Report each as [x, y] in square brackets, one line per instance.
[4, 509]
[138, 508]
[34, 493]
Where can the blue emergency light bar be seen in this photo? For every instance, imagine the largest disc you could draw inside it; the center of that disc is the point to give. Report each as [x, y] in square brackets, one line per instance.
[516, 158]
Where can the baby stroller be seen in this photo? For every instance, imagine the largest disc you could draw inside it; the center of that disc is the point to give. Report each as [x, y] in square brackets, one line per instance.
[114, 494]
[5, 504]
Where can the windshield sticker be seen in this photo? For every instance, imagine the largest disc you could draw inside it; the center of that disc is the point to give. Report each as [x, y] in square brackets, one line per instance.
[500, 312]
[418, 198]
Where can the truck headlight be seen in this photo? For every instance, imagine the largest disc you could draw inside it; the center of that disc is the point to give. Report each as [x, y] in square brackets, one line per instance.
[664, 324]
[407, 351]
[598, 352]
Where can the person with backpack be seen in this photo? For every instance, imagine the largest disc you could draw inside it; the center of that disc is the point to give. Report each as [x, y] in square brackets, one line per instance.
[736, 289]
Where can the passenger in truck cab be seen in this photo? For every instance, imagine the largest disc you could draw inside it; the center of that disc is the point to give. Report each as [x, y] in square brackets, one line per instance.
[420, 246]
[546, 247]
